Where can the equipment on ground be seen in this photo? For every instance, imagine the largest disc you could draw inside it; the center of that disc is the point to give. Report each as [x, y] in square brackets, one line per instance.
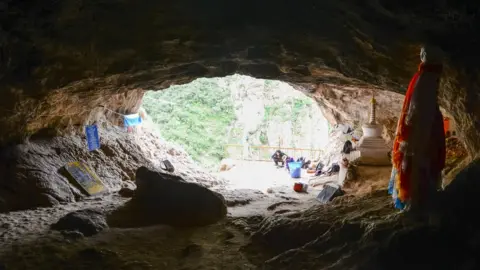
[328, 193]
[300, 187]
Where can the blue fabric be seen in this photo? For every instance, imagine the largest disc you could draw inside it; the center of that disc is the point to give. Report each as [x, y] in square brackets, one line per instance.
[392, 190]
[93, 140]
[391, 183]
[295, 169]
[398, 204]
[132, 120]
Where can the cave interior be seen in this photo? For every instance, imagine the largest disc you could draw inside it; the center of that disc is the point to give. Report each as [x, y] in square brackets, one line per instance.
[67, 64]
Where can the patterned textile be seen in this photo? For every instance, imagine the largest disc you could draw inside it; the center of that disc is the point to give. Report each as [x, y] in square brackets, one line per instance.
[400, 183]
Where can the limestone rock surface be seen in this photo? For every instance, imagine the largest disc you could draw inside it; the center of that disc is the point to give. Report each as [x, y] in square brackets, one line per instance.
[31, 172]
[163, 198]
[128, 189]
[88, 222]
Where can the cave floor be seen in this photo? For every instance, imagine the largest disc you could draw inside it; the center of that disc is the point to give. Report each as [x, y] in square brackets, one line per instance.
[230, 244]
[345, 230]
[273, 185]
[260, 175]
[255, 235]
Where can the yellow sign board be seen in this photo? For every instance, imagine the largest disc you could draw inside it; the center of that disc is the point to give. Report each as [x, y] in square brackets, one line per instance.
[85, 177]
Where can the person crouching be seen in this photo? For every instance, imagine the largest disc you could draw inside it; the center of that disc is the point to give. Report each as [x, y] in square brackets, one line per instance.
[279, 157]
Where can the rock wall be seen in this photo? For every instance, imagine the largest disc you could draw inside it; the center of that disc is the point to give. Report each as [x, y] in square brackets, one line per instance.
[62, 62]
[266, 114]
[351, 105]
[60, 59]
[31, 176]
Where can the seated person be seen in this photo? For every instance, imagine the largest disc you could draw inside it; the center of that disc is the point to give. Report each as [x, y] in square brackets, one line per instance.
[304, 162]
[279, 157]
[288, 160]
[347, 147]
[318, 169]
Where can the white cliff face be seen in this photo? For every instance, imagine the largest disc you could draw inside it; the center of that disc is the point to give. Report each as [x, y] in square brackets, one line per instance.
[273, 113]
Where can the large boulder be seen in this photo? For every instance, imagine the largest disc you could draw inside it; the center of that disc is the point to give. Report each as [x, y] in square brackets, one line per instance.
[88, 222]
[162, 198]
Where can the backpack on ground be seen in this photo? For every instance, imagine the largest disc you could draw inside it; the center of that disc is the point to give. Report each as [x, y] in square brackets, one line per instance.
[347, 147]
[334, 168]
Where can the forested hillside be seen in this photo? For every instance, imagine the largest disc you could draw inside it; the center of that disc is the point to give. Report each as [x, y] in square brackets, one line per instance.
[206, 114]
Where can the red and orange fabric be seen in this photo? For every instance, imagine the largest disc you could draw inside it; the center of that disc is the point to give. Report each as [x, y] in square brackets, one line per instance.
[402, 163]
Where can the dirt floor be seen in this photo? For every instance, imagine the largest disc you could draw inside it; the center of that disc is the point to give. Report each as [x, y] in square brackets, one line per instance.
[22, 225]
[254, 234]
[273, 182]
[260, 175]
[277, 185]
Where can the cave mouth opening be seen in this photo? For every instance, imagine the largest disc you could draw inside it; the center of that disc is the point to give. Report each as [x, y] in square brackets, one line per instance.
[232, 125]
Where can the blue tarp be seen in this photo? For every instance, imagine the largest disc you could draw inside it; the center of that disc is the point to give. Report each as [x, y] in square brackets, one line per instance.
[93, 140]
[132, 120]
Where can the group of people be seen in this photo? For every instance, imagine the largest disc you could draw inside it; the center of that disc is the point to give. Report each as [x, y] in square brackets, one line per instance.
[281, 160]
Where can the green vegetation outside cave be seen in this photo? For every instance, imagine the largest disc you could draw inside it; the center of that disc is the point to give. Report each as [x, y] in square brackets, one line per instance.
[201, 116]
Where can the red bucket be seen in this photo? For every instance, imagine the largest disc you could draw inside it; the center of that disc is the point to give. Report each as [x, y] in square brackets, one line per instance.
[298, 187]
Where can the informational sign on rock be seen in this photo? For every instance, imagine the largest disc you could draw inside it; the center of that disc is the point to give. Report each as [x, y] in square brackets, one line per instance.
[85, 177]
[93, 140]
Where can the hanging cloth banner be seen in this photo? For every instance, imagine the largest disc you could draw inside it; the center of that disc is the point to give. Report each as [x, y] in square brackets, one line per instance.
[93, 140]
[132, 120]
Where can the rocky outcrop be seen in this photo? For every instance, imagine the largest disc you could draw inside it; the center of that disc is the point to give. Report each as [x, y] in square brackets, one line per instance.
[163, 198]
[331, 232]
[351, 105]
[242, 196]
[128, 189]
[31, 173]
[87, 222]
[265, 109]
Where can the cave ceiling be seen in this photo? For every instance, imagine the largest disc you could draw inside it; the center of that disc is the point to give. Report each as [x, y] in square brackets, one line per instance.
[61, 60]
